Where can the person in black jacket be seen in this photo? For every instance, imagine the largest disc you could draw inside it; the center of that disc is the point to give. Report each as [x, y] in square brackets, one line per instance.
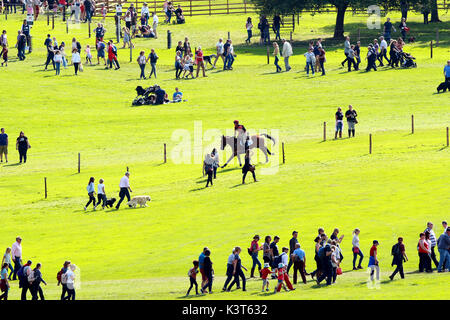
[398, 257]
[22, 145]
[292, 244]
[247, 166]
[21, 44]
[36, 284]
[208, 270]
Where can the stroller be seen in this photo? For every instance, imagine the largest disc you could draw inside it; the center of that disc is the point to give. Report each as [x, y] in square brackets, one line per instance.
[145, 96]
[408, 61]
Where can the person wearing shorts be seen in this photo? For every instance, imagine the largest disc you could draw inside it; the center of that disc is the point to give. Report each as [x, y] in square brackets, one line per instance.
[3, 145]
[339, 123]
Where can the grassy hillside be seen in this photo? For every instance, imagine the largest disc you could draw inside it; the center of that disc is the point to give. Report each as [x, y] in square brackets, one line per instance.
[146, 253]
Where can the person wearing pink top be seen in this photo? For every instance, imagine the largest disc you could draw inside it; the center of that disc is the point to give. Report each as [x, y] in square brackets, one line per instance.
[16, 253]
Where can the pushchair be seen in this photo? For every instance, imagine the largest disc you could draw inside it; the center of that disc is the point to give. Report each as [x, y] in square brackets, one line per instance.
[408, 61]
[145, 96]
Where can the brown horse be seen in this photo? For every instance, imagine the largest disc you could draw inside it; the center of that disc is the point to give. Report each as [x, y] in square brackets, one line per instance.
[238, 149]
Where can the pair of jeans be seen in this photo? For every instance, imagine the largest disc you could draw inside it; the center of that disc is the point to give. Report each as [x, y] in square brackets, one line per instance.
[21, 53]
[193, 283]
[276, 64]
[277, 32]
[25, 287]
[64, 291]
[229, 274]
[322, 66]
[374, 268]
[286, 63]
[351, 61]
[142, 75]
[122, 194]
[309, 65]
[383, 55]
[444, 257]
[238, 274]
[355, 255]
[76, 65]
[17, 266]
[399, 269]
[433, 257]
[208, 285]
[178, 69]
[327, 272]
[153, 64]
[249, 35]
[424, 262]
[101, 197]
[50, 59]
[229, 59]
[91, 199]
[35, 290]
[58, 67]
[256, 262]
[70, 294]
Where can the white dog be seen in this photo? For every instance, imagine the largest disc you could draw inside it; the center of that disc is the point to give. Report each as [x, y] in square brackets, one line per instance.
[139, 200]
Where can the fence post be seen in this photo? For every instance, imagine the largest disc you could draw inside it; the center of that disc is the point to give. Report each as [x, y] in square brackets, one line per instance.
[128, 169]
[370, 143]
[45, 187]
[268, 55]
[412, 124]
[53, 21]
[431, 49]
[282, 149]
[228, 7]
[67, 25]
[165, 153]
[117, 29]
[131, 51]
[291, 36]
[229, 35]
[6, 15]
[447, 138]
[79, 162]
[169, 39]
[31, 44]
[324, 131]
[48, 18]
[89, 28]
[245, 6]
[209, 7]
[437, 37]
[359, 34]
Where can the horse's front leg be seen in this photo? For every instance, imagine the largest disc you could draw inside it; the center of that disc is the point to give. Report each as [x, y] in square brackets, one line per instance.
[231, 158]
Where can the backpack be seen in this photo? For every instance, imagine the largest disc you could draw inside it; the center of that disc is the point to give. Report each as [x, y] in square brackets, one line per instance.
[78, 46]
[21, 274]
[59, 275]
[31, 277]
[395, 250]
[114, 50]
[277, 260]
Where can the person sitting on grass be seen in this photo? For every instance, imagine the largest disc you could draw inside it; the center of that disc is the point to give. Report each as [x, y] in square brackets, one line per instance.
[177, 96]
[193, 277]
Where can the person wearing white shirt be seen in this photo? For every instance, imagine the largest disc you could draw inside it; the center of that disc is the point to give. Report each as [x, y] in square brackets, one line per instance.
[69, 278]
[284, 256]
[356, 249]
[219, 52]
[155, 24]
[286, 52]
[383, 50]
[145, 13]
[124, 189]
[208, 165]
[76, 60]
[101, 194]
[16, 254]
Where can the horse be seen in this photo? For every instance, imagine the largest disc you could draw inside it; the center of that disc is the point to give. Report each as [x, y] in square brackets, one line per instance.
[257, 141]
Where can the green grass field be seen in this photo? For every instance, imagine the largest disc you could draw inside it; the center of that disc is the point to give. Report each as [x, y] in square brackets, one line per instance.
[146, 253]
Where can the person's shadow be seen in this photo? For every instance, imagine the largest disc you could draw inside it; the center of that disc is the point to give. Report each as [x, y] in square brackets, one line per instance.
[13, 164]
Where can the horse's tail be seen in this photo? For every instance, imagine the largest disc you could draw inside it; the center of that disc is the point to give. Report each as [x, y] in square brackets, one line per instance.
[269, 137]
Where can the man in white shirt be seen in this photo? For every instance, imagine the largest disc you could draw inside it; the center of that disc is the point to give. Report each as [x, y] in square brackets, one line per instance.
[155, 24]
[219, 52]
[286, 52]
[383, 50]
[16, 254]
[124, 189]
[145, 13]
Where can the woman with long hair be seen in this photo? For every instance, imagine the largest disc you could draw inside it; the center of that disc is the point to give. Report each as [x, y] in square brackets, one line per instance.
[276, 53]
[356, 249]
[249, 26]
[90, 189]
[22, 145]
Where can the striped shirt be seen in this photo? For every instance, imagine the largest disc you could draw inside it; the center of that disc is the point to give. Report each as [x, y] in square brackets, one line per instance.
[432, 237]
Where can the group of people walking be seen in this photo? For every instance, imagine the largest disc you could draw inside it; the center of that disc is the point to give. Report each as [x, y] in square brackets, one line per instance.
[30, 278]
[328, 256]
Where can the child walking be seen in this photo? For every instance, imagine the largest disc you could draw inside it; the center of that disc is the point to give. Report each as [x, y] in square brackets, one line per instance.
[264, 276]
[126, 38]
[193, 277]
[280, 276]
[4, 55]
[90, 189]
[88, 55]
[58, 58]
[373, 261]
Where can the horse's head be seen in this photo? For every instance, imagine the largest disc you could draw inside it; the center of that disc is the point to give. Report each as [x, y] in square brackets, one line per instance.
[224, 143]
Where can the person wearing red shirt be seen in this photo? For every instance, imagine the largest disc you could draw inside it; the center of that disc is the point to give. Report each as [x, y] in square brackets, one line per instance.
[199, 61]
[264, 274]
[254, 249]
[112, 55]
[424, 249]
[373, 261]
[280, 276]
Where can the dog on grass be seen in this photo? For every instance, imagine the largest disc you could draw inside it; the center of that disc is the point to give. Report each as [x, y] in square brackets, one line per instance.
[110, 202]
[443, 86]
[139, 200]
[207, 59]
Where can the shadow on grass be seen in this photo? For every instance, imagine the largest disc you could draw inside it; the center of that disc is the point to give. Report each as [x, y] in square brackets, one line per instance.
[13, 164]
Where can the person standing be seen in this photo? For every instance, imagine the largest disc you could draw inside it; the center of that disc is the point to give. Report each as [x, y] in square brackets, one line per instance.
[125, 189]
[339, 123]
[423, 247]
[444, 247]
[50, 55]
[142, 61]
[351, 58]
[23, 274]
[58, 58]
[90, 190]
[16, 254]
[214, 152]
[3, 145]
[292, 246]
[276, 54]
[351, 115]
[267, 258]
[155, 24]
[388, 29]
[4, 283]
[373, 261]
[112, 55]
[276, 25]
[371, 58]
[63, 280]
[346, 49]
[299, 259]
[310, 60]
[357, 50]
[398, 257]
[35, 287]
[219, 52]
[69, 277]
[178, 64]
[201, 259]
[7, 259]
[322, 59]
[447, 72]
[199, 61]
[403, 28]
[248, 26]
[356, 249]
[76, 60]
[433, 242]
[254, 249]
[208, 165]
[208, 270]
[101, 194]
[26, 31]
[153, 58]
[22, 145]
[286, 53]
[274, 252]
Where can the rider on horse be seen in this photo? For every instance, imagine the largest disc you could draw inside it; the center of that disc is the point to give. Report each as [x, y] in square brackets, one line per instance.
[240, 132]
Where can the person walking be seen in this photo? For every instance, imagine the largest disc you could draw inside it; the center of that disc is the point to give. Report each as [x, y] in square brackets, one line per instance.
[423, 247]
[286, 53]
[299, 259]
[388, 29]
[208, 270]
[178, 64]
[142, 61]
[76, 60]
[346, 49]
[351, 115]
[292, 247]
[101, 194]
[112, 56]
[237, 271]
[373, 261]
[248, 167]
[7, 259]
[4, 283]
[254, 249]
[371, 58]
[35, 286]
[357, 50]
[153, 58]
[433, 242]
[383, 51]
[356, 249]
[192, 274]
[230, 270]
[276, 54]
[310, 60]
[322, 59]
[3, 145]
[208, 164]
[249, 27]
[219, 52]
[403, 28]
[16, 254]
[90, 190]
[125, 189]
[398, 257]
[317, 247]
[325, 256]
[199, 61]
[267, 257]
[63, 280]
[58, 58]
[24, 283]
[339, 123]
[155, 24]
[444, 247]
[69, 278]
[351, 58]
